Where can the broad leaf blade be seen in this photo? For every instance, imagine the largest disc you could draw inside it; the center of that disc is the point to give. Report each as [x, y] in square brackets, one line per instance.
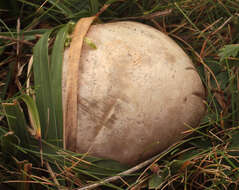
[56, 79]
[43, 90]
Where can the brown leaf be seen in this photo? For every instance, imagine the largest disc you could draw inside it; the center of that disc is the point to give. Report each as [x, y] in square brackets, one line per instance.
[70, 102]
[186, 164]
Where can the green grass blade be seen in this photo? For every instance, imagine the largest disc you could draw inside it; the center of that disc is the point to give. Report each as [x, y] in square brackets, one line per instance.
[56, 70]
[33, 114]
[43, 87]
[61, 6]
[2, 131]
[17, 122]
[94, 6]
[7, 81]
[6, 27]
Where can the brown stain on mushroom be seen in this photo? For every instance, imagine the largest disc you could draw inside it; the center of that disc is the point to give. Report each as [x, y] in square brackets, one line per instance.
[189, 68]
[170, 57]
[185, 99]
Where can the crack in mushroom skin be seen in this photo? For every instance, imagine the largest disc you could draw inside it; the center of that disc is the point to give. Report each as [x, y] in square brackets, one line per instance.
[134, 101]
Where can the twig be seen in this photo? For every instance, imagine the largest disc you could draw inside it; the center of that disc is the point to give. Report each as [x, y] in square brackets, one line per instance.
[219, 28]
[16, 40]
[129, 171]
[52, 174]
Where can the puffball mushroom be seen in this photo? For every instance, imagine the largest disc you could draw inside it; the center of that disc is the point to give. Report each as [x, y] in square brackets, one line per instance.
[138, 92]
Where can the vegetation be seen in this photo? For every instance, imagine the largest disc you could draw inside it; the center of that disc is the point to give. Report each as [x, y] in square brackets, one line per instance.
[31, 147]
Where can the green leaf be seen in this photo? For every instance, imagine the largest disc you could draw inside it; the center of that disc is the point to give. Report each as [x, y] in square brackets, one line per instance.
[47, 78]
[228, 51]
[235, 140]
[223, 79]
[201, 143]
[56, 73]
[2, 131]
[94, 6]
[109, 166]
[155, 181]
[7, 143]
[33, 114]
[17, 122]
[44, 98]
[61, 6]
[7, 81]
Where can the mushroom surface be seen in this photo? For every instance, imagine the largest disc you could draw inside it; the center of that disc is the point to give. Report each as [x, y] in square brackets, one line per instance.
[138, 92]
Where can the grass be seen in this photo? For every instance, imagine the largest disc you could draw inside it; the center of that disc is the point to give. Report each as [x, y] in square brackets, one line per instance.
[207, 30]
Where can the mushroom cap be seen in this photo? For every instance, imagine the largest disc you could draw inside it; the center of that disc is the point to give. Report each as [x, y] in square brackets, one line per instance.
[138, 92]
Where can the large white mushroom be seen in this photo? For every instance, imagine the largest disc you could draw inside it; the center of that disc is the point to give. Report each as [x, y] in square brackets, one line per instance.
[138, 91]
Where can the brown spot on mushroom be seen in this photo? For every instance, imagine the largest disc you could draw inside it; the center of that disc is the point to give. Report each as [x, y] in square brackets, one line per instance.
[93, 104]
[170, 57]
[189, 68]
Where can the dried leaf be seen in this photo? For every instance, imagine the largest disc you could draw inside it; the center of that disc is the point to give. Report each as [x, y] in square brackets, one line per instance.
[70, 103]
